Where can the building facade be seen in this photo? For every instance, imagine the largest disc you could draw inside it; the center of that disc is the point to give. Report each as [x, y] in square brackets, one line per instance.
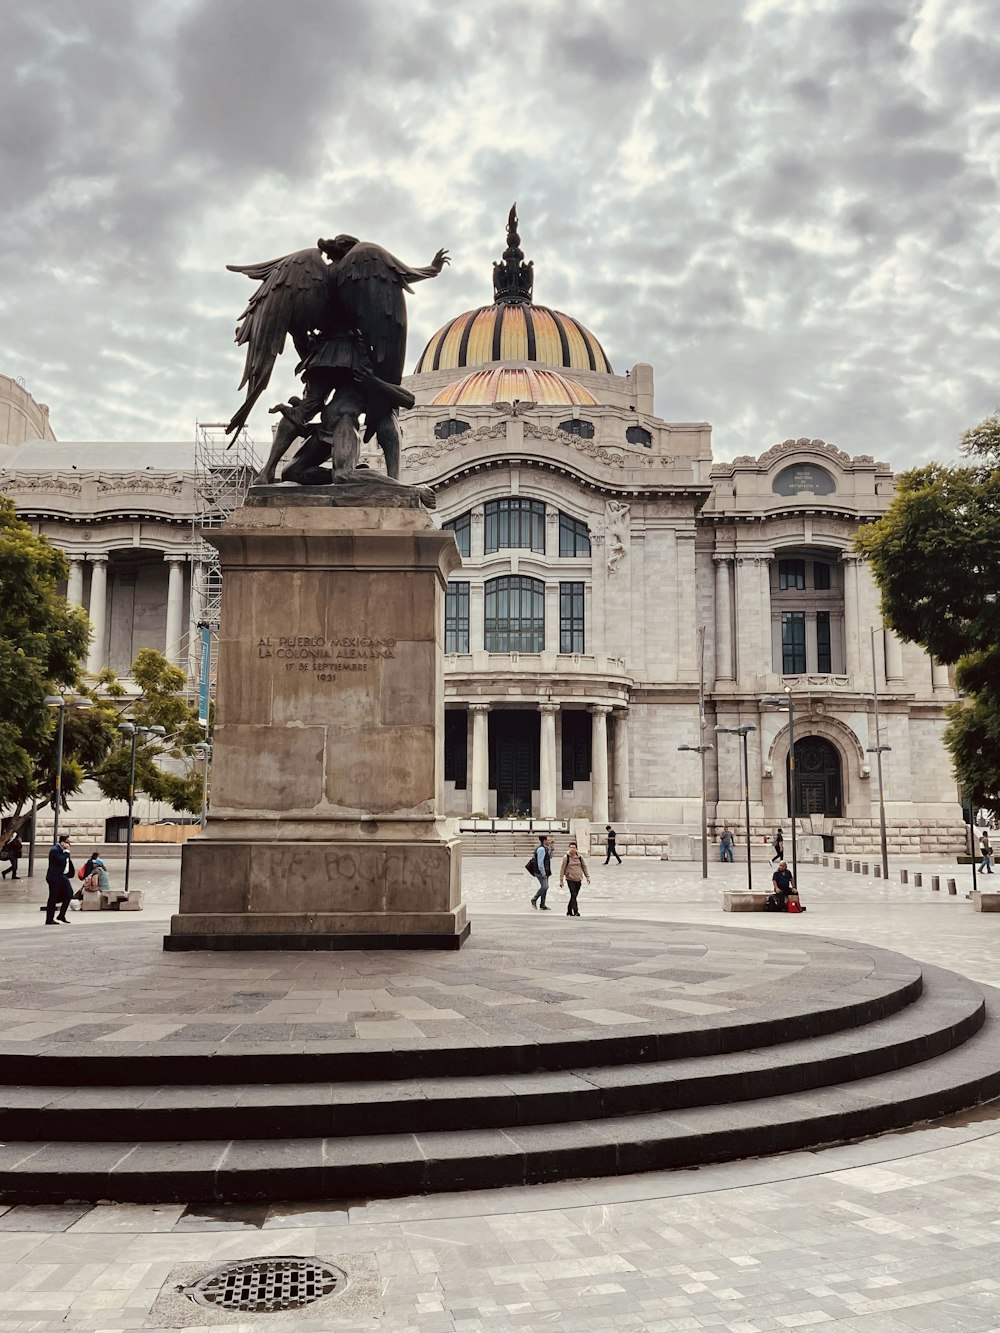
[621, 593]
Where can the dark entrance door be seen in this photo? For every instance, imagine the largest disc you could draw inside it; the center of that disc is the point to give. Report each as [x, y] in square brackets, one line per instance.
[514, 760]
[817, 765]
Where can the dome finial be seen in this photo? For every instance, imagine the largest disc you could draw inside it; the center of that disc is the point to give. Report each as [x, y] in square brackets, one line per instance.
[513, 279]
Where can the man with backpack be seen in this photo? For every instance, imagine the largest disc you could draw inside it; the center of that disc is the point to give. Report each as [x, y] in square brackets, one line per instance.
[541, 867]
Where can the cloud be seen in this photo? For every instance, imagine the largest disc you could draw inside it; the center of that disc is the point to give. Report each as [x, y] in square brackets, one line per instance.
[788, 208]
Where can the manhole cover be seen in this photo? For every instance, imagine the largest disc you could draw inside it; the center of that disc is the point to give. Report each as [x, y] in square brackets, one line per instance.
[266, 1286]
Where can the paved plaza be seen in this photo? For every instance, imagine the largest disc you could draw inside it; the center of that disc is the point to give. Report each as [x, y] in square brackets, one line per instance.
[894, 1235]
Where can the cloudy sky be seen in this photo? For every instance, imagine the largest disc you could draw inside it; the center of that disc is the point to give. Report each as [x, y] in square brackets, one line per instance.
[789, 207]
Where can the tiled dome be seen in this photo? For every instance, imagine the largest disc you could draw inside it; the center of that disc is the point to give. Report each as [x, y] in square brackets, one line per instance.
[508, 384]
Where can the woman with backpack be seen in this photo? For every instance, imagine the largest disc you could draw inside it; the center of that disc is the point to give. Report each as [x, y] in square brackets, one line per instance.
[572, 873]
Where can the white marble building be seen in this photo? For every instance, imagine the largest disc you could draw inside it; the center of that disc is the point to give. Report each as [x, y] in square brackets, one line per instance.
[598, 539]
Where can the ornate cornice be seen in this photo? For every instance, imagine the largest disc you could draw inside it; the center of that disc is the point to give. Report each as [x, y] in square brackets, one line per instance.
[802, 445]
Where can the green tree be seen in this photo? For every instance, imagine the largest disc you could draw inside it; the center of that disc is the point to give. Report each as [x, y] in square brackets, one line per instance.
[165, 767]
[935, 555]
[42, 643]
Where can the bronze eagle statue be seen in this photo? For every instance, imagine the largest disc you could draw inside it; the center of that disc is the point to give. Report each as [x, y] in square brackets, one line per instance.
[343, 304]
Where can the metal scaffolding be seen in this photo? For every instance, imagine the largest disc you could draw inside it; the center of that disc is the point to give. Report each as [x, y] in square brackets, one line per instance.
[224, 472]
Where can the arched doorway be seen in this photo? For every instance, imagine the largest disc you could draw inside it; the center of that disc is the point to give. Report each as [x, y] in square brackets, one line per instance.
[818, 778]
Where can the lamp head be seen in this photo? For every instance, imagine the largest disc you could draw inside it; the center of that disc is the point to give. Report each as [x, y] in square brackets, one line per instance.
[54, 701]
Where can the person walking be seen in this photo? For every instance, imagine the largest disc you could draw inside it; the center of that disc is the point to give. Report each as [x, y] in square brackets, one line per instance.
[543, 863]
[12, 852]
[57, 877]
[572, 873]
[612, 845]
[726, 845]
[985, 851]
[778, 843]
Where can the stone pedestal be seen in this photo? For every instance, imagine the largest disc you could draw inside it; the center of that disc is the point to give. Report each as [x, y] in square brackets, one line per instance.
[324, 830]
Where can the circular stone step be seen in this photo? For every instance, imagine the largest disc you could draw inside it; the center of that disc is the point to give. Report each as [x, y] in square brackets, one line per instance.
[525, 994]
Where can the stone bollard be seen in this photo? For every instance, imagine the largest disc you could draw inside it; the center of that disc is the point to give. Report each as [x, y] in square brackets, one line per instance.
[878, 872]
[952, 888]
[918, 879]
[865, 868]
[936, 883]
[904, 877]
[836, 863]
[826, 860]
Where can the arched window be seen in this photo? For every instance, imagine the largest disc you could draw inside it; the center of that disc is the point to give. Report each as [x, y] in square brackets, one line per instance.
[583, 430]
[574, 536]
[444, 430]
[817, 777]
[462, 528]
[515, 615]
[639, 435]
[514, 523]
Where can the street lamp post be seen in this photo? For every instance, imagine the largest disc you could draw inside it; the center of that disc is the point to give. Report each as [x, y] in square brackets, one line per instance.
[878, 749]
[133, 732]
[60, 703]
[787, 705]
[204, 752]
[743, 732]
[702, 750]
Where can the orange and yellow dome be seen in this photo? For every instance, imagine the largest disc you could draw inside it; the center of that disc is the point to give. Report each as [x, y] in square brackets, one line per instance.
[505, 332]
[509, 385]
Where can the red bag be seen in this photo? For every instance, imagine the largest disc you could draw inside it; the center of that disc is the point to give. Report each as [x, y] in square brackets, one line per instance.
[793, 905]
[82, 873]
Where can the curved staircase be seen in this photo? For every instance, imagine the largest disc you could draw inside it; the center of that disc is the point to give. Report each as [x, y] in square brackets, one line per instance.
[900, 1044]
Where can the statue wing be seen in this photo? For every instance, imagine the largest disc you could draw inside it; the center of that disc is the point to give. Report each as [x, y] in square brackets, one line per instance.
[293, 298]
[370, 283]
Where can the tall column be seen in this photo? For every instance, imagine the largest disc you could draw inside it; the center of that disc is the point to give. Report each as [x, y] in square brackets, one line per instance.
[939, 675]
[98, 612]
[766, 627]
[893, 656]
[175, 608]
[476, 535]
[477, 622]
[547, 764]
[723, 618]
[687, 607]
[753, 617]
[620, 765]
[480, 758]
[74, 586]
[852, 638]
[599, 813]
[195, 601]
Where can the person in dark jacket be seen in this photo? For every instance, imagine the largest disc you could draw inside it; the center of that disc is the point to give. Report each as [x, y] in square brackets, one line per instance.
[58, 878]
[12, 852]
[543, 864]
[612, 837]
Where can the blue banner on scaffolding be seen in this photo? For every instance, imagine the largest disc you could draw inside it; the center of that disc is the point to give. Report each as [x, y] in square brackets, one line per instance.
[205, 674]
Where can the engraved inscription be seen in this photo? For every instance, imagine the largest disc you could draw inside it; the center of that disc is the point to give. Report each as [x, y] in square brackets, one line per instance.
[326, 659]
